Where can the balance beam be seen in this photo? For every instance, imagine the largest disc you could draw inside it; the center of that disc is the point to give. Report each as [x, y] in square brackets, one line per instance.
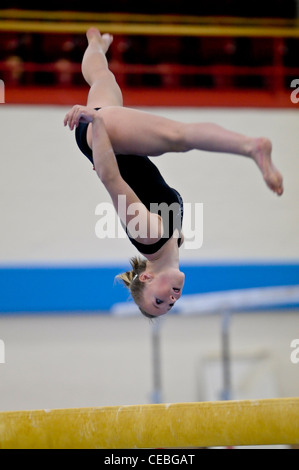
[204, 424]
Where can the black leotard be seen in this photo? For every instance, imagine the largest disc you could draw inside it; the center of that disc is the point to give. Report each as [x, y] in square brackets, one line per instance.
[146, 181]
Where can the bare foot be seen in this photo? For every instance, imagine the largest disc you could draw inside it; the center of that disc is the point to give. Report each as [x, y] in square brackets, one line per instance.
[261, 154]
[104, 40]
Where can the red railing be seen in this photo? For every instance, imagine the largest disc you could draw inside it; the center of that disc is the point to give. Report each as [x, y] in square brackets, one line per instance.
[273, 74]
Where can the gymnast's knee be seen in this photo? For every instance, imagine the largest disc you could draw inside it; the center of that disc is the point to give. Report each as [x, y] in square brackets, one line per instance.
[179, 138]
[99, 76]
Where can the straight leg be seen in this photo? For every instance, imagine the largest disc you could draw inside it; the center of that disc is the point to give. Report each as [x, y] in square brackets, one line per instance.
[104, 90]
[140, 133]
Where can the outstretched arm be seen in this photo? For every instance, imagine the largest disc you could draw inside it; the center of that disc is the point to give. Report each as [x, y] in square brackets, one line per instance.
[106, 166]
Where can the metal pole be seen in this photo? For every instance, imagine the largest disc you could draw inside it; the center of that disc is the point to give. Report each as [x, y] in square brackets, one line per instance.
[226, 393]
[156, 351]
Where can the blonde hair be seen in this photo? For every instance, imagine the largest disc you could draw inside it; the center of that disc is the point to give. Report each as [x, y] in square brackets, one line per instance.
[132, 282]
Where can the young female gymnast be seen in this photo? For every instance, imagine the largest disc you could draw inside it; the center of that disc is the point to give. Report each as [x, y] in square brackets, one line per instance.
[117, 140]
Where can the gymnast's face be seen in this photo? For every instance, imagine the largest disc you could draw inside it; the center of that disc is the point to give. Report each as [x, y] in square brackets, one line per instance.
[161, 291]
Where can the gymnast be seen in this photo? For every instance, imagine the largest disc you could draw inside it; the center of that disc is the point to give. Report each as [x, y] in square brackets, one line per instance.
[118, 140]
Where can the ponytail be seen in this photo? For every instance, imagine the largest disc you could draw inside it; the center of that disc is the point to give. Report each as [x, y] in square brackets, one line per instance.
[132, 282]
[130, 277]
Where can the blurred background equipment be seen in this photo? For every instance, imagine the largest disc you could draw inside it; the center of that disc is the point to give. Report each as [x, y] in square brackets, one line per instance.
[201, 50]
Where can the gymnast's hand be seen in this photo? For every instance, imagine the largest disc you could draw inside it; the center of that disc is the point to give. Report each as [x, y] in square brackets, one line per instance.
[79, 114]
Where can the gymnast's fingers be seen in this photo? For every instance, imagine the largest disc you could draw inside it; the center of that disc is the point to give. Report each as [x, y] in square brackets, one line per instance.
[78, 114]
[68, 120]
[70, 117]
[81, 114]
[75, 116]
